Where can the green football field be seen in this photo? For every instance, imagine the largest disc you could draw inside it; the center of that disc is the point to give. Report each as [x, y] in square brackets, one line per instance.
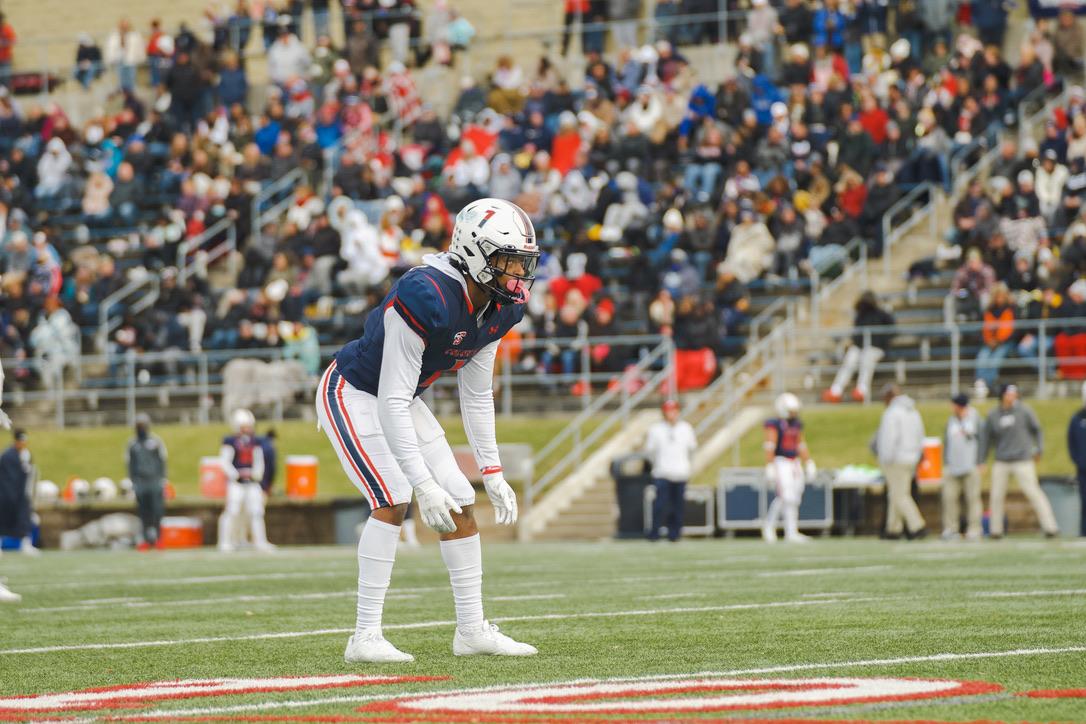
[702, 630]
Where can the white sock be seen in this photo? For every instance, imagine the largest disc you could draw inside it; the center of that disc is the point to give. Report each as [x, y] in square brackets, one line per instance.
[259, 530]
[791, 519]
[773, 513]
[464, 559]
[376, 555]
[226, 530]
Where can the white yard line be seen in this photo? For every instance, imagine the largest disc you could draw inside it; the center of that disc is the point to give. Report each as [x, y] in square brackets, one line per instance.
[820, 571]
[264, 706]
[209, 601]
[1020, 594]
[431, 624]
[225, 578]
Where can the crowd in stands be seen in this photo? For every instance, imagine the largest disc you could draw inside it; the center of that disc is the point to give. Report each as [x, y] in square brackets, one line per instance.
[1021, 236]
[662, 202]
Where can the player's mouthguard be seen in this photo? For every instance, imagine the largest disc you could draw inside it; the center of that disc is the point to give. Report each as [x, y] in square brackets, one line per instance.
[519, 289]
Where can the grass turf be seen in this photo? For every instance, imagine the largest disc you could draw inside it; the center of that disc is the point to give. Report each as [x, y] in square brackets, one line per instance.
[830, 602]
[839, 435]
[93, 452]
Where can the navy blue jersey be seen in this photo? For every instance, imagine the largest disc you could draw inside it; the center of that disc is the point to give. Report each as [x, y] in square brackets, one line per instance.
[243, 446]
[788, 433]
[437, 308]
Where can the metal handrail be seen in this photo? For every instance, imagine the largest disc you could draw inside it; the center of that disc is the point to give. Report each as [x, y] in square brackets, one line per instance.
[106, 322]
[185, 267]
[261, 215]
[665, 350]
[890, 234]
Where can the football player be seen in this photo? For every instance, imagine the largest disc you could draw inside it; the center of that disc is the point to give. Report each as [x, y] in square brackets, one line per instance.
[243, 460]
[446, 315]
[788, 467]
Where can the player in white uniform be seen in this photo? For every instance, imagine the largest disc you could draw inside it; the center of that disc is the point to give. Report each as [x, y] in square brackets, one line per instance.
[448, 314]
[243, 460]
[788, 466]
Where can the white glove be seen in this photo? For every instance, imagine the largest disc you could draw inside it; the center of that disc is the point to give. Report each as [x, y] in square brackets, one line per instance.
[434, 506]
[5, 421]
[502, 498]
[771, 472]
[810, 470]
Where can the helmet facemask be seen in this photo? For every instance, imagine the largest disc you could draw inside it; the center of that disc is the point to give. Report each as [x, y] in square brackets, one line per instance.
[509, 273]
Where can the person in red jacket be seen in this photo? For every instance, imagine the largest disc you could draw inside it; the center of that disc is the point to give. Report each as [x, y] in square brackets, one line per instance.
[7, 53]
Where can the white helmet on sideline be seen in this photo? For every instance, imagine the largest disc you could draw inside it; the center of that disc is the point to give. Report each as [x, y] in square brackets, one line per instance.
[46, 492]
[494, 237]
[787, 405]
[104, 489]
[243, 420]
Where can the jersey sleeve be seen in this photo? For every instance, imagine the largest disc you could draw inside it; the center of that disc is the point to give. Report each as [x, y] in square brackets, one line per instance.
[421, 303]
[400, 366]
[475, 381]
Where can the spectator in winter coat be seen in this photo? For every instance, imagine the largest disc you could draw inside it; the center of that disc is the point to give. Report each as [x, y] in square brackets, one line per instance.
[898, 445]
[287, 58]
[53, 167]
[751, 249]
[1049, 182]
[864, 350]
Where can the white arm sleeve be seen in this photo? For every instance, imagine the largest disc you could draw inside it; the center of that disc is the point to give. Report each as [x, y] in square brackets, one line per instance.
[257, 471]
[476, 382]
[401, 365]
[227, 454]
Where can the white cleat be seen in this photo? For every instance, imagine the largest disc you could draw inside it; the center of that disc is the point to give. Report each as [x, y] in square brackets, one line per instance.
[797, 538]
[7, 596]
[27, 549]
[373, 648]
[265, 547]
[488, 640]
[769, 534]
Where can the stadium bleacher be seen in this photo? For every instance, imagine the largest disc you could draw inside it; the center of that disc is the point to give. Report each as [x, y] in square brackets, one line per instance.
[639, 178]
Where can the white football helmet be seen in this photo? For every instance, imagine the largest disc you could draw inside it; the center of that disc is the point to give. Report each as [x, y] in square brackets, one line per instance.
[243, 421]
[78, 490]
[492, 238]
[46, 492]
[104, 489]
[787, 405]
[127, 490]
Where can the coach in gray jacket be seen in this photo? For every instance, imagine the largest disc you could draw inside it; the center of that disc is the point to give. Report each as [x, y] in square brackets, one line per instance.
[962, 443]
[1013, 431]
[146, 457]
[899, 444]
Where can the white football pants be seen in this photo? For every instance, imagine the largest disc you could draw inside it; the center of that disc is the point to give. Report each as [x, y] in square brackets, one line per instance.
[247, 498]
[790, 483]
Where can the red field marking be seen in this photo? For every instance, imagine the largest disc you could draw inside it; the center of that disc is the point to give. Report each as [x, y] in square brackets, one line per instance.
[132, 696]
[1055, 694]
[713, 694]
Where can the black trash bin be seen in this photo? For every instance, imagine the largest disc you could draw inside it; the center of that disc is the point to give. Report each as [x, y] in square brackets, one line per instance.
[632, 474]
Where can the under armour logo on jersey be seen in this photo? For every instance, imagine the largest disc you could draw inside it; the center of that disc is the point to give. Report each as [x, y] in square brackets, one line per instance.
[459, 337]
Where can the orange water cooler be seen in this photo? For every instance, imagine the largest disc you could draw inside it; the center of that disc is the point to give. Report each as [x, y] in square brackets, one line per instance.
[301, 476]
[212, 478]
[930, 470]
[181, 532]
